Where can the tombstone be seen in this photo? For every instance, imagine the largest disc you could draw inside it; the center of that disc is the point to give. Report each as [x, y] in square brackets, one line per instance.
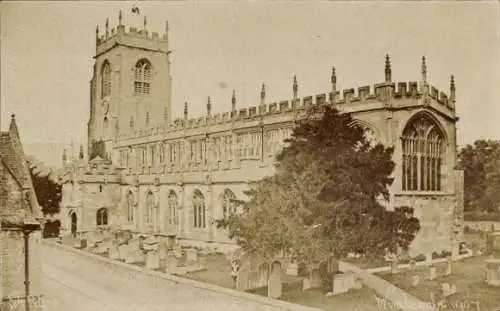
[453, 289]
[162, 254]
[191, 255]
[492, 272]
[315, 278]
[428, 259]
[83, 243]
[412, 265]
[274, 283]
[352, 282]
[394, 266]
[171, 264]
[339, 284]
[448, 266]
[432, 273]
[446, 289]
[242, 279]
[263, 274]
[415, 280]
[151, 246]
[292, 269]
[122, 251]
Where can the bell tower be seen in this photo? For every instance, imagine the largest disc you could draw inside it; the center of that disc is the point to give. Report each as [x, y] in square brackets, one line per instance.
[130, 89]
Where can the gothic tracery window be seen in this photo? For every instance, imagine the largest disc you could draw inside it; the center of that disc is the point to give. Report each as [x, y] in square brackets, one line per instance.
[172, 208]
[142, 77]
[198, 210]
[105, 79]
[228, 203]
[423, 155]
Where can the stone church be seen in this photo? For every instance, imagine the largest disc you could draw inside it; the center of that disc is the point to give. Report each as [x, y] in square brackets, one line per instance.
[171, 178]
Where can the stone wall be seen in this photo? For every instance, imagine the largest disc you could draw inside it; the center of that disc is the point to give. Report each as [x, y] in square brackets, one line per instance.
[482, 225]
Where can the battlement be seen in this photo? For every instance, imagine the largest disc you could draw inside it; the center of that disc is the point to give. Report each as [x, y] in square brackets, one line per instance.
[349, 98]
[131, 36]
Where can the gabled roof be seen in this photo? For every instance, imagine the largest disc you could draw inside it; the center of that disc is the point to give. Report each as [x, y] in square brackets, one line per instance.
[13, 159]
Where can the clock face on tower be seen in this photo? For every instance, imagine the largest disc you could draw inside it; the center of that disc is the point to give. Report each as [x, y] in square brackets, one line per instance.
[105, 105]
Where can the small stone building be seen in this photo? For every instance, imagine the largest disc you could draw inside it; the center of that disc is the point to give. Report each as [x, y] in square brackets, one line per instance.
[19, 226]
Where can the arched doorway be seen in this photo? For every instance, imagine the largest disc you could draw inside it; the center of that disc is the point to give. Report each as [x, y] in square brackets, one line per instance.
[73, 224]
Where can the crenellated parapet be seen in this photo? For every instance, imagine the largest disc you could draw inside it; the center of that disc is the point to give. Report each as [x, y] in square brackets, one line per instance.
[363, 98]
[131, 36]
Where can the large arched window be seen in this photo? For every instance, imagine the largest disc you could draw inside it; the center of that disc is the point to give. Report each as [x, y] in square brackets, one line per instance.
[172, 208]
[228, 203]
[150, 201]
[423, 155]
[105, 79]
[198, 210]
[102, 217]
[142, 77]
[130, 206]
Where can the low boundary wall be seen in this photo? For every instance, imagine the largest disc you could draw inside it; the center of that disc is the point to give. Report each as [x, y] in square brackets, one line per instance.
[393, 295]
[83, 260]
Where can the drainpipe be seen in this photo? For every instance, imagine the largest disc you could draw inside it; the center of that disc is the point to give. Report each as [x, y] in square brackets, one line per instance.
[27, 229]
[27, 269]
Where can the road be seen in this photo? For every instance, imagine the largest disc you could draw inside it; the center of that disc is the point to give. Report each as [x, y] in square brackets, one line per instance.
[84, 286]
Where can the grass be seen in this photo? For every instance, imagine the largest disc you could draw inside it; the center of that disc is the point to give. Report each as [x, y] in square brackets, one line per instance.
[218, 273]
[467, 275]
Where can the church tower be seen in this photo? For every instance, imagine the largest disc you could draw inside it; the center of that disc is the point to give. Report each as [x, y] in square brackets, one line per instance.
[130, 86]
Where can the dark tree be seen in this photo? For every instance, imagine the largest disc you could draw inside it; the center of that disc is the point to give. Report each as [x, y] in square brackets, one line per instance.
[481, 165]
[325, 198]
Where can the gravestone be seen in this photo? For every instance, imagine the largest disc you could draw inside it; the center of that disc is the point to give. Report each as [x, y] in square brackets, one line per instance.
[428, 259]
[191, 255]
[263, 274]
[339, 284]
[274, 285]
[162, 254]
[453, 289]
[171, 263]
[432, 273]
[292, 269]
[492, 272]
[315, 279]
[412, 265]
[242, 279]
[151, 246]
[445, 287]
[448, 266]
[415, 280]
[122, 251]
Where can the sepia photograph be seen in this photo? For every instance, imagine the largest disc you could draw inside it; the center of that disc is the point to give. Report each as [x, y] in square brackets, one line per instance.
[249, 155]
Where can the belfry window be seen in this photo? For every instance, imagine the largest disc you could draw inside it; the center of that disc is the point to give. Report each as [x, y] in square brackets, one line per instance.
[423, 155]
[105, 79]
[142, 77]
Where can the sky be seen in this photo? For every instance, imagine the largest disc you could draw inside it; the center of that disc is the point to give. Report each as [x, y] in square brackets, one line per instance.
[217, 46]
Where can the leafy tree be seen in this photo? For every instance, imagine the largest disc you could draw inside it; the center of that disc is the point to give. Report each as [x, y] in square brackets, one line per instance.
[324, 200]
[47, 190]
[481, 165]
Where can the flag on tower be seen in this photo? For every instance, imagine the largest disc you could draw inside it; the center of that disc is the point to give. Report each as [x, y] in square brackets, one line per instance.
[136, 10]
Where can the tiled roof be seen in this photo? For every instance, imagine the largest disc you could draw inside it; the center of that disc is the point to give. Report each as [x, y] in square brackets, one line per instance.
[13, 158]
